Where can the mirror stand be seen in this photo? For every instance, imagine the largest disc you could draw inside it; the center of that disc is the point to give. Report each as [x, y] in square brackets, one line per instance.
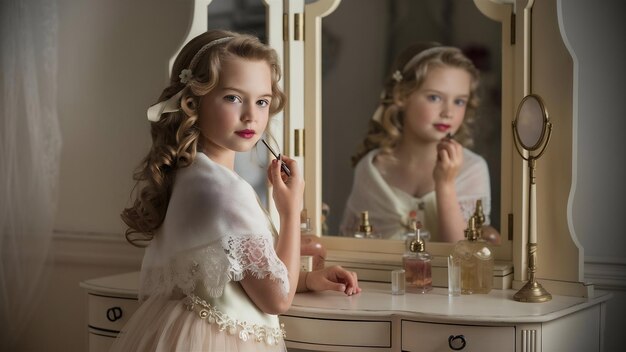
[531, 131]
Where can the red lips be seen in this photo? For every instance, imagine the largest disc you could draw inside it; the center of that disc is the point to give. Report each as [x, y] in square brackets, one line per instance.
[247, 134]
[442, 127]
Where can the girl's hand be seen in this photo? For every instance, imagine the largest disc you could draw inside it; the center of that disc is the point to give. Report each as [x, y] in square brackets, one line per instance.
[333, 278]
[287, 190]
[449, 161]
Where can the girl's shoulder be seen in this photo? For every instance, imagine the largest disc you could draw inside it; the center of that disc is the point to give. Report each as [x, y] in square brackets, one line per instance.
[367, 161]
[471, 157]
[205, 169]
[206, 178]
[473, 163]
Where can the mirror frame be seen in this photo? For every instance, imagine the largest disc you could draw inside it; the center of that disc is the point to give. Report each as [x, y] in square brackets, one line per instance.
[385, 251]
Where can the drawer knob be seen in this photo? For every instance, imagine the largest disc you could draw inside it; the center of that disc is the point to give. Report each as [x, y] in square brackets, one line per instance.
[114, 314]
[457, 342]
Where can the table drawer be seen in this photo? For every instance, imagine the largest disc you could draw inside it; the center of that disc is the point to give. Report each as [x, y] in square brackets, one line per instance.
[354, 333]
[100, 342]
[417, 336]
[110, 313]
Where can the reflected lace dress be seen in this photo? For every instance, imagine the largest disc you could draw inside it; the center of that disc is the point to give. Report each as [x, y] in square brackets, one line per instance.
[390, 209]
[214, 234]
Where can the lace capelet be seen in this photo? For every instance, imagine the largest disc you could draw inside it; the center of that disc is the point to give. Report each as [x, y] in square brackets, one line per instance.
[215, 231]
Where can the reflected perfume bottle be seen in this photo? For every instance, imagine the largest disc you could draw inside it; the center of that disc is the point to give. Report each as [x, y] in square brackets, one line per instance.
[410, 234]
[417, 264]
[310, 244]
[480, 216]
[365, 229]
[475, 261]
[487, 233]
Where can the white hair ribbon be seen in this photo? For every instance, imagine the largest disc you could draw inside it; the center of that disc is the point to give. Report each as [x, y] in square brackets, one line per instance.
[419, 56]
[173, 104]
[170, 105]
[378, 114]
[398, 75]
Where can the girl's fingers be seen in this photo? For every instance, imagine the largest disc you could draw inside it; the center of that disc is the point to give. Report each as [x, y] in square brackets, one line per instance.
[291, 164]
[270, 177]
[452, 149]
[443, 156]
[274, 172]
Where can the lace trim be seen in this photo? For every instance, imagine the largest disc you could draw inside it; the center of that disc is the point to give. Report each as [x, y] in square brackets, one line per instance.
[244, 330]
[214, 266]
[248, 254]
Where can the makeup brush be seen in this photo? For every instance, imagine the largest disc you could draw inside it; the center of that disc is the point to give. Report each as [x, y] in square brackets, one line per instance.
[283, 166]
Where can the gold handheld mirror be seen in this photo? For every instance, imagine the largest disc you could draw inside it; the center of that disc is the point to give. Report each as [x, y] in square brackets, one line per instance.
[531, 132]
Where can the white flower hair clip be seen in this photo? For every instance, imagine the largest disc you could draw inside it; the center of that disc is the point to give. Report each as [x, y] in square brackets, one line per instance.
[397, 76]
[185, 76]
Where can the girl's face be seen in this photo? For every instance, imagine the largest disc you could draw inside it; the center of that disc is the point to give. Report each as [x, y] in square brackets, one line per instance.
[235, 113]
[438, 106]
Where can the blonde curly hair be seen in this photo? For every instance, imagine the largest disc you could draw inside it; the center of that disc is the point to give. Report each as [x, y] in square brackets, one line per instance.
[175, 136]
[407, 75]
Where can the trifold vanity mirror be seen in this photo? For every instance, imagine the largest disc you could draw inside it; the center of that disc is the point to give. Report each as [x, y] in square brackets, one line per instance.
[335, 54]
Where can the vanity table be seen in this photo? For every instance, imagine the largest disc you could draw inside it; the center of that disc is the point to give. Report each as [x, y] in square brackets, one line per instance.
[376, 320]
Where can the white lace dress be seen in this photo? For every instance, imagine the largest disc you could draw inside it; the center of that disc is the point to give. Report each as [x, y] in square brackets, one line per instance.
[390, 208]
[215, 233]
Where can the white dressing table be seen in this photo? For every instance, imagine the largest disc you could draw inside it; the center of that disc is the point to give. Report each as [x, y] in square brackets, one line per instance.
[376, 320]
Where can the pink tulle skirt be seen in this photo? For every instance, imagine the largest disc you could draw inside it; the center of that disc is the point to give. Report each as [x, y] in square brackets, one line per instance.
[162, 324]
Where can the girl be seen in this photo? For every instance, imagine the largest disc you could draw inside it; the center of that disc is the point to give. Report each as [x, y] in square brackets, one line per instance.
[211, 278]
[409, 165]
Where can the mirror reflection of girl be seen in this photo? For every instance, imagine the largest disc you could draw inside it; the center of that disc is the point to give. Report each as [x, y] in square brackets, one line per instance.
[413, 163]
[214, 277]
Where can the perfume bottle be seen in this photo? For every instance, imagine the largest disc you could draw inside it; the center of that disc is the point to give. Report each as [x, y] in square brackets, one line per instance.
[417, 265]
[310, 244]
[365, 229]
[485, 232]
[480, 215]
[411, 225]
[475, 261]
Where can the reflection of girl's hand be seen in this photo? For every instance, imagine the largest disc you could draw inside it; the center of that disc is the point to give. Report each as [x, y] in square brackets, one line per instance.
[287, 190]
[449, 161]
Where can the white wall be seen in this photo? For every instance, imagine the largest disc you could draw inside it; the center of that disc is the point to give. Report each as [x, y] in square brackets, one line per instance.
[595, 31]
[113, 58]
[113, 64]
